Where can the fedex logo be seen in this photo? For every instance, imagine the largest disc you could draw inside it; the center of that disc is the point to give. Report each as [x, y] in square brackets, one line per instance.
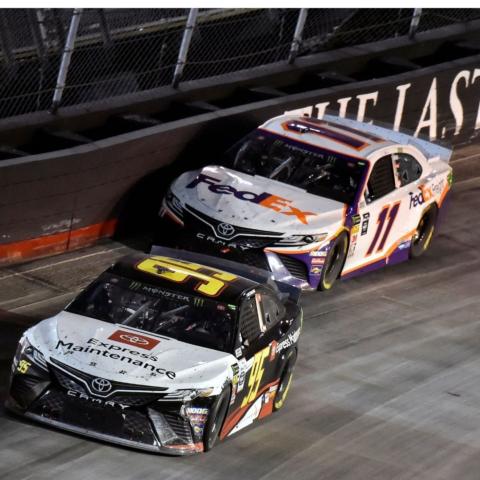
[265, 199]
[423, 196]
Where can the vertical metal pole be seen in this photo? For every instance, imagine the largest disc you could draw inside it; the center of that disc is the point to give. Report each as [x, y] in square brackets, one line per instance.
[182, 54]
[66, 57]
[417, 13]
[298, 35]
[5, 40]
[107, 39]
[41, 26]
[36, 33]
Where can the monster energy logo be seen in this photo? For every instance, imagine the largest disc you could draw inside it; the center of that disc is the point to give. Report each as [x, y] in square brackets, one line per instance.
[135, 285]
[198, 302]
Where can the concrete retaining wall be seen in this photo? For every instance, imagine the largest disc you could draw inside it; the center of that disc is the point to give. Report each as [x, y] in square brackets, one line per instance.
[58, 201]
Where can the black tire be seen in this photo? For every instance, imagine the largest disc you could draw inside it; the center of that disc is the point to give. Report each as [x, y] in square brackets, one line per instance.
[215, 420]
[285, 381]
[423, 236]
[334, 262]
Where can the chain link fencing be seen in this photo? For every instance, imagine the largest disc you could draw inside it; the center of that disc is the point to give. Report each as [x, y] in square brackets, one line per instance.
[114, 52]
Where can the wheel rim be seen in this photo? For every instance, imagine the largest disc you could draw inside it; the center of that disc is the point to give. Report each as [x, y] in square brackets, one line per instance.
[421, 231]
[424, 231]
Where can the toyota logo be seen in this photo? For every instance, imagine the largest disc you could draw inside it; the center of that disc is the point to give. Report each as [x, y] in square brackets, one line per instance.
[101, 385]
[134, 339]
[225, 230]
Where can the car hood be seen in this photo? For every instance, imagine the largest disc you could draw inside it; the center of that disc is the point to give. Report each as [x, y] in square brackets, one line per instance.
[252, 201]
[127, 355]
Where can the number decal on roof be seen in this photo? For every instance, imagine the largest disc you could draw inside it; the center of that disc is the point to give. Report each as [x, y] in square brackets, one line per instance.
[211, 282]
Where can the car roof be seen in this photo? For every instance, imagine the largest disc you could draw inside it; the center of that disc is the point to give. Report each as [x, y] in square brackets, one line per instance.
[141, 268]
[326, 134]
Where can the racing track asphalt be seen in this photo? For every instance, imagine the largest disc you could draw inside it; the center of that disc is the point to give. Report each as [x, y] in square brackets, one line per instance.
[387, 382]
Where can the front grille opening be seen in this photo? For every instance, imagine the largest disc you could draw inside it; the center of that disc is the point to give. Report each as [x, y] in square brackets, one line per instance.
[296, 267]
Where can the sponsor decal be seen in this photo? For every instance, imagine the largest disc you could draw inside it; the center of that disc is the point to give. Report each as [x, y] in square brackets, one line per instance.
[96, 401]
[316, 270]
[318, 260]
[114, 352]
[419, 198]
[437, 187]
[265, 199]
[292, 339]
[318, 253]
[198, 417]
[273, 350]
[269, 395]
[235, 371]
[197, 411]
[450, 179]
[222, 243]
[134, 339]
[356, 219]
[243, 369]
[366, 218]
[158, 292]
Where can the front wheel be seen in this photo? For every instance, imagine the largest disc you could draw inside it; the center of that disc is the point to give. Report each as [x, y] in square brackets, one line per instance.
[215, 420]
[423, 235]
[285, 381]
[334, 262]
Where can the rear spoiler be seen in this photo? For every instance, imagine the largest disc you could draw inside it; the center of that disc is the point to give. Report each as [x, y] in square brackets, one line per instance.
[429, 149]
[255, 274]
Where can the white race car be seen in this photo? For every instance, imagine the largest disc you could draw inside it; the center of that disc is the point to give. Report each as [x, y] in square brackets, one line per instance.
[313, 200]
[162, 353]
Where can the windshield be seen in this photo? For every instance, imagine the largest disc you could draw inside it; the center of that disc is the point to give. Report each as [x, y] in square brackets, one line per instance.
[187, 318]
[317, 171]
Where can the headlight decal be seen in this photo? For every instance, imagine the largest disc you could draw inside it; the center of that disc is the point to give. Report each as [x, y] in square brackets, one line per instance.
[301, 240]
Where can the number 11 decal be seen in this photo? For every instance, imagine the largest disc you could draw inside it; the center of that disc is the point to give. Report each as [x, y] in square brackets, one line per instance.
[391, 213]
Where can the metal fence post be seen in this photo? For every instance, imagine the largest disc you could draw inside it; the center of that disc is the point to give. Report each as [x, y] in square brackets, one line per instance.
[182, 54]
[298, 35]
[5, 40]
[107, 39]
[66, 57]
[417, 13]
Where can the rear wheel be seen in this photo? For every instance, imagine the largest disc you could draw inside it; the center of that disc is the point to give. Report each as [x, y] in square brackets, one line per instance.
[215, 420]
[423, 236]
[285, 381]
[334, 262]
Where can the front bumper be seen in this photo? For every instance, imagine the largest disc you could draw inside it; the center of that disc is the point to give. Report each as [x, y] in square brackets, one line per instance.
[160, 427]
[296, 269]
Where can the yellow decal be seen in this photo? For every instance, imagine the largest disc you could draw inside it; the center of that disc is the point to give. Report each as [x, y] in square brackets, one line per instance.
[23, 366]
[210, 283]
[256, 374]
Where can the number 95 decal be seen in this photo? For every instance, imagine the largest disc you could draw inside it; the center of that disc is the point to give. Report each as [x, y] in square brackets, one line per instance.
[210, 283]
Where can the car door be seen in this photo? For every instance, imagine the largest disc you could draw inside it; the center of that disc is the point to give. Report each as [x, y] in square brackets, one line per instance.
[382, 213]
[259, 322]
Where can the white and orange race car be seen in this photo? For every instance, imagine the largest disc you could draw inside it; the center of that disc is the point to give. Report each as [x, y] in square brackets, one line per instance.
[313, 200]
